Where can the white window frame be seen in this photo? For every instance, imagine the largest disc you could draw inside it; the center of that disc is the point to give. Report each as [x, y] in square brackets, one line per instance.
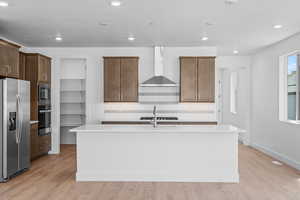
[283, 88]
[233, 91]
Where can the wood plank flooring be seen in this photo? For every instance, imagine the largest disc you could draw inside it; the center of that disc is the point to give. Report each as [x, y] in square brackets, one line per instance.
[53, 178]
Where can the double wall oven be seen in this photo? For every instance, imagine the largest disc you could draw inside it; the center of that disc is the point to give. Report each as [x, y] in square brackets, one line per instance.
[44, 109]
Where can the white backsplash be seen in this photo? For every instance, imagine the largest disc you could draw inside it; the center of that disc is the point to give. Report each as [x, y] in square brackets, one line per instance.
[158, 95]
[184, 111]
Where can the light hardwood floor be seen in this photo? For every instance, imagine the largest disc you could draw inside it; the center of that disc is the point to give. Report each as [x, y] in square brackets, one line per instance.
[53, 177]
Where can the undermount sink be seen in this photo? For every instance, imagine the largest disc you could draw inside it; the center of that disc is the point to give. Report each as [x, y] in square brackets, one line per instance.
[159, 118]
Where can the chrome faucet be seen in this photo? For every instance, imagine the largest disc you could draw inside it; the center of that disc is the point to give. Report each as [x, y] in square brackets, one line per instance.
[154, 122]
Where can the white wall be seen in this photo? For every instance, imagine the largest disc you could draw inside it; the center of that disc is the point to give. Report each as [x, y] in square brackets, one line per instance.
[241, 65]
[280, 139]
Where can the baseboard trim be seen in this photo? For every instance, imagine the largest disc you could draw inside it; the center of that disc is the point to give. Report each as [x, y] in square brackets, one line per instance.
[115, 177]
[281, 157]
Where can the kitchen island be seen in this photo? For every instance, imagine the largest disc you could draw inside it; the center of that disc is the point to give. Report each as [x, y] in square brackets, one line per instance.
[181, 153]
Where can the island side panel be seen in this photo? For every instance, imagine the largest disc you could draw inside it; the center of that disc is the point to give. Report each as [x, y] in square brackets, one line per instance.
[175, 157]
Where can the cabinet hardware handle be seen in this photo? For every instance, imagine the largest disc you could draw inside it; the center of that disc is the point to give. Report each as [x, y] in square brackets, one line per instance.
[5, 70]
[9, 69]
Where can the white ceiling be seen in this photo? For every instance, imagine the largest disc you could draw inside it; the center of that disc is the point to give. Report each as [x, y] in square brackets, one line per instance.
[246, 26]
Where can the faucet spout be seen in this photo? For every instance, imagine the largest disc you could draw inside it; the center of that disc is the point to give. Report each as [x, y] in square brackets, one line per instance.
[154, 117]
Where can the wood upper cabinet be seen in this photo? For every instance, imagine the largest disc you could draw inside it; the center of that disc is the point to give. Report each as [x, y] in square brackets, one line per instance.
[120, 79]
[38, 68]
[112, 79]
[9, 59]
[44, 69]
[129, 79]
[188, 79]
[22, 65]
[197, 79]
[206, 79]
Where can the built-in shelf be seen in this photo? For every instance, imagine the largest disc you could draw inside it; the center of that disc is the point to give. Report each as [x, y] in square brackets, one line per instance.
[72, 102]
[80, 114]
[72, 97]
[70, 125]
[76, 90]
[71, 79]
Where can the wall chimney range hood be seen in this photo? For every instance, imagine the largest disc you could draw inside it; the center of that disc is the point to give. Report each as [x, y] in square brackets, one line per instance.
[158, 80]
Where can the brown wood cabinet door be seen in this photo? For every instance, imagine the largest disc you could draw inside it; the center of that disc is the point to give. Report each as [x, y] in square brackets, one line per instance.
[44, 69]
[188, 79]
[9, 61]
[33, 101]
[31, 68]
[48, 71]
[44, 144]
[13, 70]
[3, 66]
[212, 79]
[206, 79]
[31, 74]
[129, 79]
[112, 79]
[22, 66]
[34, 142]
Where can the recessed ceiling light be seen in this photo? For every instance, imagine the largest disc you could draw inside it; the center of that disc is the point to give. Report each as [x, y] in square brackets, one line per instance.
[204, 38]
[230, 2]
[3, 4]
[115, 3]
[277, 26]
[58, 38]
[235, 51]
[131, 38]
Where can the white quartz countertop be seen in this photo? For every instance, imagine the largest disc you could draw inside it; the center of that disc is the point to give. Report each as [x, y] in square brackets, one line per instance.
[96, 128]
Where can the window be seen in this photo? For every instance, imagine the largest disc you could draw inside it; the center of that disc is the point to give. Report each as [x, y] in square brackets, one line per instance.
[292, 87]
[233, 92]
[289, 84]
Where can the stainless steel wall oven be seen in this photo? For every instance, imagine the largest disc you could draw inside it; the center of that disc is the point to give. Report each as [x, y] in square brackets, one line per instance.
[44, 109]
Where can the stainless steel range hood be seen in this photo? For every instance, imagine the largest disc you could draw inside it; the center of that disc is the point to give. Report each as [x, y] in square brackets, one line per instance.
[158, 80]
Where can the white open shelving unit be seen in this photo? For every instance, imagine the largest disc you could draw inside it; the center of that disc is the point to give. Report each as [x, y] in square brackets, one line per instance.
[72, 97]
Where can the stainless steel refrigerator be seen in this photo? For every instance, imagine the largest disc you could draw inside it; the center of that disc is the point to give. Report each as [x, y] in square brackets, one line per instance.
[14, 127]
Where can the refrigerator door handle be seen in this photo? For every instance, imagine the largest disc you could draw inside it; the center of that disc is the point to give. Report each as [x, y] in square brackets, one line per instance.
[18, 120]
[5, 128]
[21, 119]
